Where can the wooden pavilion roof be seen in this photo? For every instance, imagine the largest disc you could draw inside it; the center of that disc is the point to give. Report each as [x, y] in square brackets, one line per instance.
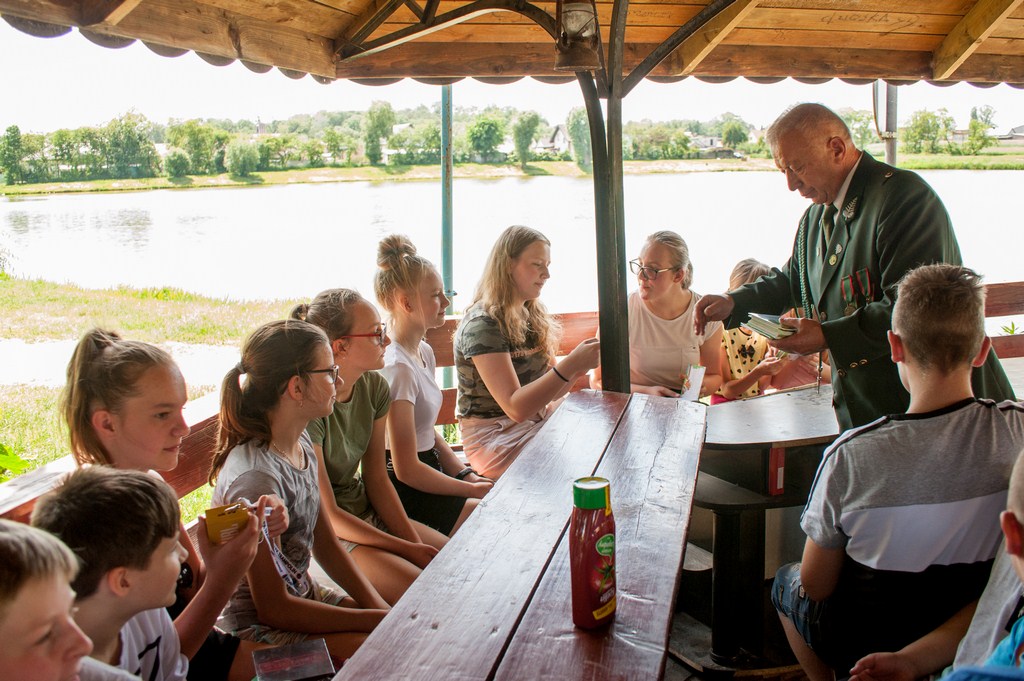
[979, 41]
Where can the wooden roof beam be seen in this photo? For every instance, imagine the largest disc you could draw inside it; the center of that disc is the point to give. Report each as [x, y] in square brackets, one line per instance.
[348, 51]
[976, 26]
[364, 26]
[105, 11]
[694, 49]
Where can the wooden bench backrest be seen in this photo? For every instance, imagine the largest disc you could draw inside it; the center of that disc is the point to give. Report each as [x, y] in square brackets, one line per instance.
[1005, 300]
[18, 496]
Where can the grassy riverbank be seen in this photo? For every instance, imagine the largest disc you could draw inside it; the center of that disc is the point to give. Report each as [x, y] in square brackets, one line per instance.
[43, 310]
[378, 174]
[35, 310]
[997, 158]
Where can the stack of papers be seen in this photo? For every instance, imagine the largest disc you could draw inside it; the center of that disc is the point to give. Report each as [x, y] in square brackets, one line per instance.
[769, 326]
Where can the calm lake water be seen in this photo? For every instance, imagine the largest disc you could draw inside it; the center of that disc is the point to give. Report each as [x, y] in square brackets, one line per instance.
[293, 241]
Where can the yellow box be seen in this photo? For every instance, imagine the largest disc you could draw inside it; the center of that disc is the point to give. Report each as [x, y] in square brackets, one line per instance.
[223, 523]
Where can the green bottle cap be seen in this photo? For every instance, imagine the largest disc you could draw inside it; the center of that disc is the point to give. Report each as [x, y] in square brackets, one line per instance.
[591, 493]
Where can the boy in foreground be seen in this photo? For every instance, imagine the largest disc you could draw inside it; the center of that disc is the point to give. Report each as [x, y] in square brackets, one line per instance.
[123, 526]
[901, 518]
[39, 640]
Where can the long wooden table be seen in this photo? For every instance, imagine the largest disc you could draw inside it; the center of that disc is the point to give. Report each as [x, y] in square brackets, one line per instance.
[495, 603]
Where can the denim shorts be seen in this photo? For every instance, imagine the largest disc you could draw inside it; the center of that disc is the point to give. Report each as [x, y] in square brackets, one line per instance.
[792, 602]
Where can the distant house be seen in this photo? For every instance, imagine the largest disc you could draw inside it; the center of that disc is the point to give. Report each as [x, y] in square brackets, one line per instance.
[1017, 133]
[705, 141]
[557, 142]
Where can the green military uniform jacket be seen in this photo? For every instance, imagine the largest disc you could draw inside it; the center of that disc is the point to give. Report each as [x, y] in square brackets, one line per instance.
[890, 222]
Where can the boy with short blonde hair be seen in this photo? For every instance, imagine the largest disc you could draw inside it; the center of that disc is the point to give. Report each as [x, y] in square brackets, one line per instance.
[123, 526]
[39, 640]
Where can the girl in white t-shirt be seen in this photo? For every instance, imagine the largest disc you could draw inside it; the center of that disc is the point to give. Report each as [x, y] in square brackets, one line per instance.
[435, 487]
[662, 342]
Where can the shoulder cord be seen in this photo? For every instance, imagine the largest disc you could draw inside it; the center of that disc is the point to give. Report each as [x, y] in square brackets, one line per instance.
[805, 285]
[801, 264]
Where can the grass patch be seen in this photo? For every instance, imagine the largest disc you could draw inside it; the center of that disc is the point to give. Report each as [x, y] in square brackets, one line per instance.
[30, 425]
[43, 310]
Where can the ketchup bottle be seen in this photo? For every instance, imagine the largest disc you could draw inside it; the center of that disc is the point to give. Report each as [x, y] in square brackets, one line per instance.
[592, 553]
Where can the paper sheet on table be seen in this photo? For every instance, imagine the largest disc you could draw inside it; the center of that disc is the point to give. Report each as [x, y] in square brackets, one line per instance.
[696, 376]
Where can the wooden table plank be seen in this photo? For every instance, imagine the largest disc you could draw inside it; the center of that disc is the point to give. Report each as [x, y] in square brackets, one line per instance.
[783, 419]
[454, 621]
[652, 465]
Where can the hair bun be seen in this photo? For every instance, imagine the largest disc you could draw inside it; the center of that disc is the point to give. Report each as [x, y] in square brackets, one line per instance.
[392, 249]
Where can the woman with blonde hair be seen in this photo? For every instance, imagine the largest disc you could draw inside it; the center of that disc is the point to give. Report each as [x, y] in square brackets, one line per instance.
[662, 342]
[435, 487]
[505, 349]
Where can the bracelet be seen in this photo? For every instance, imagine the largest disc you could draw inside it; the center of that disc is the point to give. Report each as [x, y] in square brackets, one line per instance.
[461, 475]
[559, 373]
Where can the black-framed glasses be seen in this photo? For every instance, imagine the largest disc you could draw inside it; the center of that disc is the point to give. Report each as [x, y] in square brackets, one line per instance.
[647, 273]
[331, 371]
[381, 334]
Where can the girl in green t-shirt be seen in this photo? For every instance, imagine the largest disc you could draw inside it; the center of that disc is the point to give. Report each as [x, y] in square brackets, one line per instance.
[349, 444]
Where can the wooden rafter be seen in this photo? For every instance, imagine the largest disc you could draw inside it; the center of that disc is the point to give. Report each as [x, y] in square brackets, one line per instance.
[364, 26]
[699, 45]
[976, 26]
[348, 51]
[105, 11]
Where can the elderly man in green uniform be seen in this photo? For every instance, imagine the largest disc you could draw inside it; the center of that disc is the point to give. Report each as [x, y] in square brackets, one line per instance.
[869, 224]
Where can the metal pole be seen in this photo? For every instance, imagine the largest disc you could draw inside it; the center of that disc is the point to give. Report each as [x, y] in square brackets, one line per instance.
[446, 211]
[890, 124]
[609, 211]
[446, 193]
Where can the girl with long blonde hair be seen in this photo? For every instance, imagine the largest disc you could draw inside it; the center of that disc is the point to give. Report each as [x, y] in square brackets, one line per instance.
[505, 349]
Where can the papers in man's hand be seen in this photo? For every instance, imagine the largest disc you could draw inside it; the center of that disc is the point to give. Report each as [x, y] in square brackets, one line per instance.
[769, 326]
[695, 374]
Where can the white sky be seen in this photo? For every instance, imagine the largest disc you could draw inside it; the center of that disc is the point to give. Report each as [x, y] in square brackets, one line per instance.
[47, 84]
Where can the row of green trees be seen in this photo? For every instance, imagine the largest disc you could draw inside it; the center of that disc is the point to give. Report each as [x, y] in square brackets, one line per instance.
[935, 132]
[126, 146]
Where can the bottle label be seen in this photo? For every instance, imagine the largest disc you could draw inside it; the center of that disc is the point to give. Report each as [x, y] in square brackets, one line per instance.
[605, 609]
[606, 545]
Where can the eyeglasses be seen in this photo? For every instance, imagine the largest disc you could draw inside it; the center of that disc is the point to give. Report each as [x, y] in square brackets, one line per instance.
[331, 371]
[647, 273]
[381, 335]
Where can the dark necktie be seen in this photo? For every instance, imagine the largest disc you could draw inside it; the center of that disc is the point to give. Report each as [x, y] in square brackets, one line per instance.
[827, 224]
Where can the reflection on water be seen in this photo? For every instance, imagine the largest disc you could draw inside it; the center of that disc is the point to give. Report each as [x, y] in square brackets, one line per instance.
[292, 241]
[130, 226]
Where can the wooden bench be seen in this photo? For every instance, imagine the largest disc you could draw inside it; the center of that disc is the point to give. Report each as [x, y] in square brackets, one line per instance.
[18, 496]
[495, 604]
[1006, 300]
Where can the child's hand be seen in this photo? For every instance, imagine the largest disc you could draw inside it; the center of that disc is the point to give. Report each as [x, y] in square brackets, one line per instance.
[770, 366]
[227, 562]
[583, 358]
[480, 489]
[419, 555]
[277, 521]
[660, 390]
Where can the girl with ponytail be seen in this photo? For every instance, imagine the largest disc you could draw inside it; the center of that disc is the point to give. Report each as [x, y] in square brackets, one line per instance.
[123, 406]
[435, 487]
[287, 378]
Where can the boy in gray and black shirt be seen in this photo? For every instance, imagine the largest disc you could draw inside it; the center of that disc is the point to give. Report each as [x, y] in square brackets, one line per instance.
[902, 520]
